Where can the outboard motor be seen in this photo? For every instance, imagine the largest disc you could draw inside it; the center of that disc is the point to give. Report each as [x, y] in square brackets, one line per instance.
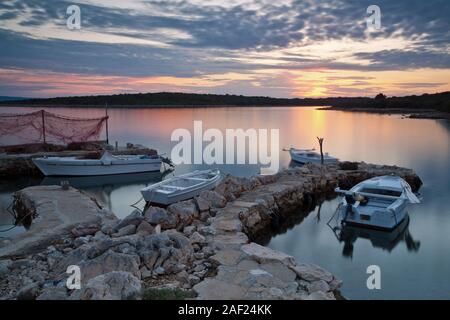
[168, 161]
[350, 199]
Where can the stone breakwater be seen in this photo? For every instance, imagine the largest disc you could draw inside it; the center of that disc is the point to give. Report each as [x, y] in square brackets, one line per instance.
[201, 245]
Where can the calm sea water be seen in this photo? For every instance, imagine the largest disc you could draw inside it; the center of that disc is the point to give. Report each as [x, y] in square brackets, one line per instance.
[414, 261]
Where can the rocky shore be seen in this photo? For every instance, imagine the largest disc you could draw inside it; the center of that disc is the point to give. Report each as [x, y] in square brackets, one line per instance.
[202, 247]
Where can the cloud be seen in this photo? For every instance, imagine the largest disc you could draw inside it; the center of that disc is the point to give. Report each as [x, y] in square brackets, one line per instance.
[420, 84]
[193, 38]
[396, 59]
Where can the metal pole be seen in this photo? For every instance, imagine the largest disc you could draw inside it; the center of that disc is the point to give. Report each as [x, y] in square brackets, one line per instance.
[43, 126]
[321, 149]
[107, 127]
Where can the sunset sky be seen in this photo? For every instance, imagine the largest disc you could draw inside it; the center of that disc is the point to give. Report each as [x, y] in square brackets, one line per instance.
[282, 48]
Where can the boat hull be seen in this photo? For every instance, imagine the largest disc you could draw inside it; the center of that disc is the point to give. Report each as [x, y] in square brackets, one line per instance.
[55, 168]
[379, 219]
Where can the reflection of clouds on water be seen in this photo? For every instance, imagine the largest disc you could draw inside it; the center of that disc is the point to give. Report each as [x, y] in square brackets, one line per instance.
[423, 145]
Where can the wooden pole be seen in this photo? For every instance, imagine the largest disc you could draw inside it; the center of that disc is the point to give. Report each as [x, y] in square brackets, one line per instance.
[107, 127]
[43, 126]
[321, 149]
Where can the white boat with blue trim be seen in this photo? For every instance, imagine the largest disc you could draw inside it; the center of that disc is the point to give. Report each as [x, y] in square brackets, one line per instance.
[182, 187]
[310, 156]
[108, 164]
[379, 203]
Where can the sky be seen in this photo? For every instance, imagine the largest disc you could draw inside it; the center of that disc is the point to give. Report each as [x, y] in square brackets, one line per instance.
[282, 48]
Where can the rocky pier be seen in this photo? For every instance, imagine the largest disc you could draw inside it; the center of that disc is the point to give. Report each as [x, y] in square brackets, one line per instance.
[201, 248]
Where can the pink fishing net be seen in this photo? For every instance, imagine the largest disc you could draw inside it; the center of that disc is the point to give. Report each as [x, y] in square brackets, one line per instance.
[43, 126]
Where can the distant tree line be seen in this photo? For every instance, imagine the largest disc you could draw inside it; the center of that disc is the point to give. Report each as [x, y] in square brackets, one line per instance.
[172, 99]
[438, 101]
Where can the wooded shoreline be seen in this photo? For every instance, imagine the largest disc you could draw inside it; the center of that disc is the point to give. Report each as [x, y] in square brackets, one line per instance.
[436, 102]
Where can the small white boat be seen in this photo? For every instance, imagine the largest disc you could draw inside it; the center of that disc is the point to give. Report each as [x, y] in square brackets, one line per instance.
[181, 187]
[310, 156]
[108, 164]
[378, 203]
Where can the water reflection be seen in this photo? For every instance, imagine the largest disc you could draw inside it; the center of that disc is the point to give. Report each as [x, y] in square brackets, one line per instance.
[118, 192]
[423, 145]
[379, 239]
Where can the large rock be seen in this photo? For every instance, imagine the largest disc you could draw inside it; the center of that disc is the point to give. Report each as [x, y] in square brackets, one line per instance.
[169, 250]
[311, 272]
[101, 246]
[217, 200]
[264, 254]
[145, 228]
[125, 231]
[155, 216]
[74, 257]
[108, 262]
[82, 230]
[227, 257]
[212, 289]
[197, 238]
[227, 225]
[116, 285]
[186, 212]
[228, 241]
[135, 218]
[320, 285]
[280, 270]
[232, 187]
[202, 204]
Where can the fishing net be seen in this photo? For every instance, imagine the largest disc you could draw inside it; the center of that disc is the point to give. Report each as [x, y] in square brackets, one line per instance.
[46, 127]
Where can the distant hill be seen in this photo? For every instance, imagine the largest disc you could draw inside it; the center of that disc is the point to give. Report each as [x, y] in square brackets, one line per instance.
[438, 101]
[6, 98]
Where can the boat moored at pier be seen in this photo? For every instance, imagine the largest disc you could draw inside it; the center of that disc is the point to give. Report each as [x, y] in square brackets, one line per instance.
[108, 164]
[379, 203]
[310, 156]
[181, 187]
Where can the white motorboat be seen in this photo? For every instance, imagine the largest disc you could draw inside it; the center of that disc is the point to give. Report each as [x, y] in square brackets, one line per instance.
[310, 156]
[379, 203]
[108, 164]
[181, 187]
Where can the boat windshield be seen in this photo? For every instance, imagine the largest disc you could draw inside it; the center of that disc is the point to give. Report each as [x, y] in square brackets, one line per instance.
[383, 192]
